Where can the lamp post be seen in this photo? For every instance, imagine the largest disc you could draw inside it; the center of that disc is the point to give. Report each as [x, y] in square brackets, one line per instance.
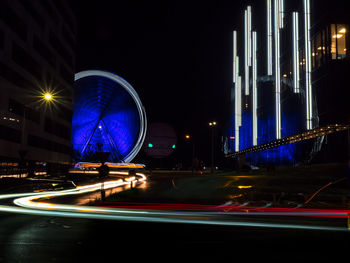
[47, 97]
[212, 125]
[188, 138]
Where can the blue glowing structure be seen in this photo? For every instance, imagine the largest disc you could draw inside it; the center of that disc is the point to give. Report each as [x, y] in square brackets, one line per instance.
[292, 123]
[108, 117]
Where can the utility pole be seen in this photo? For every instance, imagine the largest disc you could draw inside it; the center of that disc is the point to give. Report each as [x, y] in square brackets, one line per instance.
[212, 125]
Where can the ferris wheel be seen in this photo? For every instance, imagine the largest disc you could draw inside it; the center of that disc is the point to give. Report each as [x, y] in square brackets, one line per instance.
[108, 117]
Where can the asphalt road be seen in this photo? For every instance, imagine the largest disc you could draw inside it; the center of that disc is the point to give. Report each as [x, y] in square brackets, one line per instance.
[258, 190]
[25, 238]
[29, 238]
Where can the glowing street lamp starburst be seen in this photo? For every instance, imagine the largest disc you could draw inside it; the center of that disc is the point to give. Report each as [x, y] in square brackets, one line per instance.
[49, 99]
[48, 96]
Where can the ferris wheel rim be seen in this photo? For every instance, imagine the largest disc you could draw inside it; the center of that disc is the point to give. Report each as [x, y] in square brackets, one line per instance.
[141, 110]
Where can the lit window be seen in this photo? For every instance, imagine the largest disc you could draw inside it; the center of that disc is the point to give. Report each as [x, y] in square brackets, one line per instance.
[338, 38]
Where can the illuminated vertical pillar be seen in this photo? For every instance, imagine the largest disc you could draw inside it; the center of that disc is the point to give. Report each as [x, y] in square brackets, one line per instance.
[277, 70]
[246, 53]
[255, 91]
[239, 99]
[234, 75]
[296, 73]
[281, 13]
[238, 91]
[238, 110]
[308, 84]
[249, 21]
[269, 37]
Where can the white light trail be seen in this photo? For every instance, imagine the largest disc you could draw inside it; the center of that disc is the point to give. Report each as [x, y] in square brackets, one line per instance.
[277, 71]
[308, 83]
[296, 72]
[269, 37]
[27, 199]
[255, 91]
[203, 218]
[28, 206]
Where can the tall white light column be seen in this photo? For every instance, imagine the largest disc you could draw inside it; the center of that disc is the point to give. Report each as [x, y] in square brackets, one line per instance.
[269, 37]
[255, 90]
[246, 53]
[281, 13]
[249, 14]
[308, 83]
[234, 56]
[238, 110]
[238, 91]
[296, 71]
[277, 70]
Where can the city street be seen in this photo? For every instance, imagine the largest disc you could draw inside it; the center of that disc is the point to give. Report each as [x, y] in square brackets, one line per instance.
[26, 238]
[174, 131]
[50, 238]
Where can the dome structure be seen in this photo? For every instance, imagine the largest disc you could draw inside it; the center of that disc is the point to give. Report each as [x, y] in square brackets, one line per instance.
[160, 140]
[108, 117]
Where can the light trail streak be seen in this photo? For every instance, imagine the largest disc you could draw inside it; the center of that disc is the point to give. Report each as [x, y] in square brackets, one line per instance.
[188, 220]
[29, 203]
[235, 210]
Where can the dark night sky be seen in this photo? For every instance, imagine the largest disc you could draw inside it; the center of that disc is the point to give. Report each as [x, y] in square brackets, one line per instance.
[176, 54]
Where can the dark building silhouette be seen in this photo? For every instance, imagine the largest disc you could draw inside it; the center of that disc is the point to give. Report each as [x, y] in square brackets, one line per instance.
[37, 55]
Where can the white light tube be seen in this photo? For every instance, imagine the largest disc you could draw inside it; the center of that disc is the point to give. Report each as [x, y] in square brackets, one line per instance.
[255, 91]
[238, 111]
[308, 83]
[269, 37]
[249, 13]
[237, 68]
[234, 75]
[296, 72]
[246, 54]
[239, 99]
[281, 13]
[277, 72]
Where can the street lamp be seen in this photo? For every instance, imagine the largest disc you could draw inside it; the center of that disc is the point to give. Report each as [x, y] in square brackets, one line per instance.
[188, 138]
[47, 97]
[212, 125]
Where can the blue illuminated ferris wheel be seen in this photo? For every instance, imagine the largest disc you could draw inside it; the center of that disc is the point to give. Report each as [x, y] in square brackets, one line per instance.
[108, 117]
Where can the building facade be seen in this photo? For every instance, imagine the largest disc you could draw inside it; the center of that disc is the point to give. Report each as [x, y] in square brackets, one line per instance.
[290, 78]
[37, 42]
